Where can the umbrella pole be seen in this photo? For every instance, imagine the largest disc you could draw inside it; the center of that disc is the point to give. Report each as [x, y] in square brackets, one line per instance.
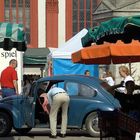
[130, 67]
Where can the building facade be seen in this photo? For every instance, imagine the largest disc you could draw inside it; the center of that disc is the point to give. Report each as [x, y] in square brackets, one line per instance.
[48, 23]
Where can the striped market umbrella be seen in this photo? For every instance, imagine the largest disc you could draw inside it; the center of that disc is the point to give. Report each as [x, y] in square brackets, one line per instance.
[123, 28]
[12, 35]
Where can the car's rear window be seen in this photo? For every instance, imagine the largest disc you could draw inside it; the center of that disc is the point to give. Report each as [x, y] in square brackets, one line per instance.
[74, 88]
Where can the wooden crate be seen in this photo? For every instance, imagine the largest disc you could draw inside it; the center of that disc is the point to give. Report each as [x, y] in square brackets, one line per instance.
[128, 123]
[117, 125]
[108, 125]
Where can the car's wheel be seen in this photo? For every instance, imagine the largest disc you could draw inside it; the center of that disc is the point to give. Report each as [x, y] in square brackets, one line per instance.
[5, 124]
[91, 124]
[23, 131]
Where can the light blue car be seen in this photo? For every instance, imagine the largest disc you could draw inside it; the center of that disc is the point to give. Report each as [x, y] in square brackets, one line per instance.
[88, 96]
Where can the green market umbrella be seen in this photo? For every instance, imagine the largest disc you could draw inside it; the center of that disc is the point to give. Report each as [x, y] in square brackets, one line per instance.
[123, 28]
[36, 56]
[12, 36]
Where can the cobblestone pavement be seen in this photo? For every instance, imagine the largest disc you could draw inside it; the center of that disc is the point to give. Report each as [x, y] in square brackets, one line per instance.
[43, 134]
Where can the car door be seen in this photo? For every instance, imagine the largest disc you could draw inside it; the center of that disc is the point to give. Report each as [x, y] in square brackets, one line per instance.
[29, 107]
[81, 97]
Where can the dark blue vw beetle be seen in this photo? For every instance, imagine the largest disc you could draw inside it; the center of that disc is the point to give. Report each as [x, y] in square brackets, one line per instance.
[88, 96]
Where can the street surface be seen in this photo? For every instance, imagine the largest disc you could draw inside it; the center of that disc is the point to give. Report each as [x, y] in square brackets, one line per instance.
[43, 134]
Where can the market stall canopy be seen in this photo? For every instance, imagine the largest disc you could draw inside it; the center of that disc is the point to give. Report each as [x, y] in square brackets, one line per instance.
[109, 53]
[62, 61]
[36, 56]
[12, 36]
[123, 28]
[72, 45]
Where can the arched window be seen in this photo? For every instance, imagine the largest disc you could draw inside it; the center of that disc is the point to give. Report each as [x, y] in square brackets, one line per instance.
[18, 11]
[82, 14]
[22, 11]
[79, 15]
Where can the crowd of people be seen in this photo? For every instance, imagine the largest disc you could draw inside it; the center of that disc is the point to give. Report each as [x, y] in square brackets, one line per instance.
[127, 84]
[9, 84]
[57, 97]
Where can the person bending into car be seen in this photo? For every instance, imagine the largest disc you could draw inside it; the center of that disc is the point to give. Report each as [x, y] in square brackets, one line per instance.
[42, 95]
[58, 98]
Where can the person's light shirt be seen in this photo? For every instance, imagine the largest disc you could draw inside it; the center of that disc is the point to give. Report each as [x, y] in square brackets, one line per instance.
[128, 78]
[53, 91]
[123, 89]
[110, 81]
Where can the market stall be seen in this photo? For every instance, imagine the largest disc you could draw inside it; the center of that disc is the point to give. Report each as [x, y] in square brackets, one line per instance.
[116, 124]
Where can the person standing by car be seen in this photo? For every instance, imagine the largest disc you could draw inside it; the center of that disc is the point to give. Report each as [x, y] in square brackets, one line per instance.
[109, 78]
[26, 87]
[124, 73]
[8, 80]
[87, 73]
[58, 98]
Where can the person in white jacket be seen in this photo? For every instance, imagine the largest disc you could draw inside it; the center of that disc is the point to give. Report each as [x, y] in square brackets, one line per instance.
[109, 78]
[124, 73]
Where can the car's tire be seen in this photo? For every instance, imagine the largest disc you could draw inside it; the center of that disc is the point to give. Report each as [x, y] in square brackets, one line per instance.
[5, 124]
[91, 124]
[23, 131]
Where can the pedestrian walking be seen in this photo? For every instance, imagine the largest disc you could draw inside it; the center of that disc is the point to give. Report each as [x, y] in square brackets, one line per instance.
[58, 98]
[8, 80]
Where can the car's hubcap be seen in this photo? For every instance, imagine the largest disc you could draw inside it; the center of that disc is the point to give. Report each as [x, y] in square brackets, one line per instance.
[2, 124]
[95, 123]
